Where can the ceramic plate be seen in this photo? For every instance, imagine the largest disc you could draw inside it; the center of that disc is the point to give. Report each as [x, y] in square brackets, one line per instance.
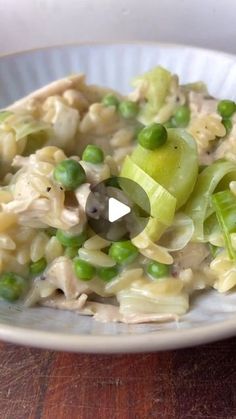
[212, 316]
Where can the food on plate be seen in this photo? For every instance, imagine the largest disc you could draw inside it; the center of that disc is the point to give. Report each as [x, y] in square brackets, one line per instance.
[174, 140]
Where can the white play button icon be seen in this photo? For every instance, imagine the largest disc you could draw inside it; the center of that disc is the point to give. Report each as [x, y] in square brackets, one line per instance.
[112, 214]
[117, 210]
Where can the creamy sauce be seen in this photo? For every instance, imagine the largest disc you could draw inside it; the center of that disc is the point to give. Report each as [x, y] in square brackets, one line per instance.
[36, 201]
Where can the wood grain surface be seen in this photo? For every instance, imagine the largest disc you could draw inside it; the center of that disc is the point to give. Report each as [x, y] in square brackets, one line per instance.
[192, 383]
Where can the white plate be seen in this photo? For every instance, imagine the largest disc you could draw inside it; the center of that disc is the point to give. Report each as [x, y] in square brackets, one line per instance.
[212, 316]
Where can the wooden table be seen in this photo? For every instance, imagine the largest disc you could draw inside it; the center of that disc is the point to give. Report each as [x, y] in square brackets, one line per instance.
[192, 383]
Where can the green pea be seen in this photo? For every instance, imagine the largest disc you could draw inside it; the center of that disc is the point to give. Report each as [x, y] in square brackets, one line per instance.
[110, 100]
[181, 117]
[12, 286]
[128, 109]
[69, 240]
[123, 252]
[71, 252]
[93, 154]
[70, 174]
[227, 124]
[226, 108]
[83, 269]
[158, 270]
[37, 267]
[106, 274]
[153, 136]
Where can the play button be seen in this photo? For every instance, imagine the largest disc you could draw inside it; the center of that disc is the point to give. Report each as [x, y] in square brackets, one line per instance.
[113, 210]
[117, 209]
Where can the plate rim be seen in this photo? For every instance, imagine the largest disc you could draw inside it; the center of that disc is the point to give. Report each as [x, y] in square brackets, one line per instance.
[120, 343]
[159, 340]
[119, 43]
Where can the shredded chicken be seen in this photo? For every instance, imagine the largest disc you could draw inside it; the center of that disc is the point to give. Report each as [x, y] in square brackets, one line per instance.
[55, 123]
[191, 256]
[55, 88]
[198, 103]
[60, 273]
[105, 312]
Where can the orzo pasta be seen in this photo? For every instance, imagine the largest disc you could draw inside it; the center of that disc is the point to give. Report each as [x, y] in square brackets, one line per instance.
[174, 140]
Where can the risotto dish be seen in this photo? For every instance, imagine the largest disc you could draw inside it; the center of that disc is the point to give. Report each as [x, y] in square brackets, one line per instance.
[174, 141]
